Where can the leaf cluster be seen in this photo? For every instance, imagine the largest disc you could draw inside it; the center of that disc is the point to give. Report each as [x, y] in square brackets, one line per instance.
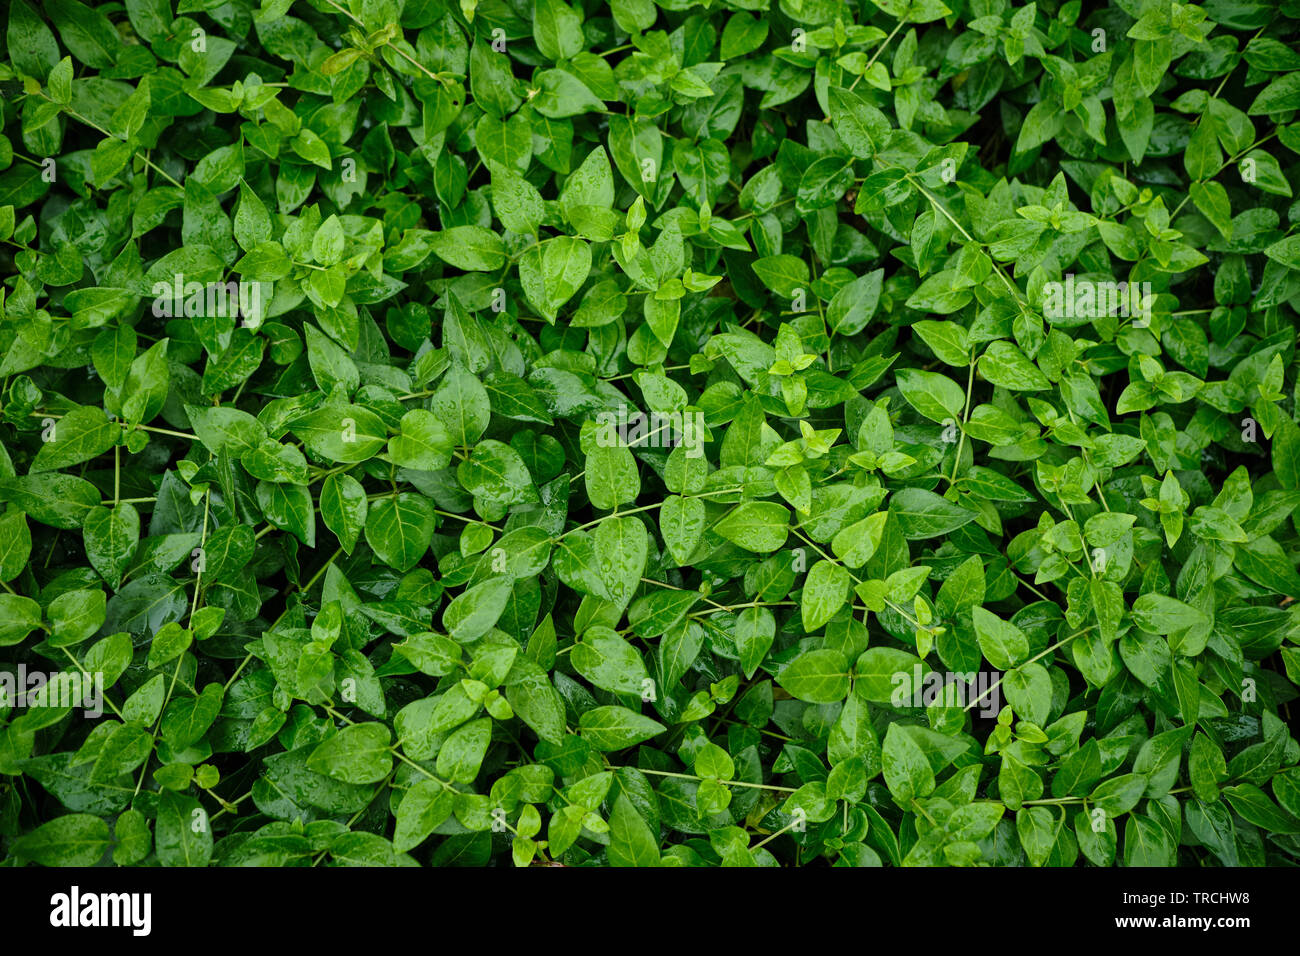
[650, 432]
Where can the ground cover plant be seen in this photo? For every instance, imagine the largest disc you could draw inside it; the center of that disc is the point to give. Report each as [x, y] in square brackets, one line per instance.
[638, 433]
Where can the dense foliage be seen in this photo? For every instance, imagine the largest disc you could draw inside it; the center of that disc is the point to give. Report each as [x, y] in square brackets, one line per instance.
[742, 432]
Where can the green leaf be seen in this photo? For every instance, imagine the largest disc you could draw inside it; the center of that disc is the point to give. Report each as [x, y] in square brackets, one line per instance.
[612, 478]
[359, 753]
[472, 613]
[516, 201]
[19, 616]
[886, 675]
[80, 435]
[1281, 95]
[472, 248]
[1160, 614]
[783, 274]
[186, 720]
[1003, 644]
[461, 402]
[860, 126]
[1119, 794]
[907, 771]
[756, 526]
[399, 529]
[227, 429]
[557, 29]
[183, 831]
[681, 521]
[631, 842]
[344, 508]
[609, 662]
[424, 443]
[1005, 365]
[75, 839]
[1037, 829]
[76, 615]
[825, 591]
[34, 49]
[552, 274]
[462, 753]
[423, 808]
[16, 543]
[923, 514]
[854, 304]
[616, 728]
[819, 677]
